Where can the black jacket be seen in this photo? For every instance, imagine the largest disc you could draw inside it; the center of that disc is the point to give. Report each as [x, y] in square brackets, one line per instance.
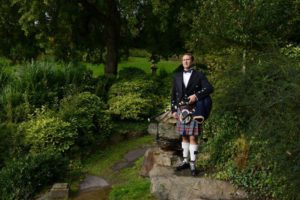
[198, 84]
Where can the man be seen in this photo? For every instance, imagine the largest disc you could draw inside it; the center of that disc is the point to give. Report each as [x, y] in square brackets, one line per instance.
[188, 86]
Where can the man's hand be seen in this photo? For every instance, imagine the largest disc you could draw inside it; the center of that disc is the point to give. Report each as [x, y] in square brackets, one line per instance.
[192, 99]
[175, 115]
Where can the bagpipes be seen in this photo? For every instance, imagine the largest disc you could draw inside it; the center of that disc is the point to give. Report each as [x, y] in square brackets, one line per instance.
[199, 111]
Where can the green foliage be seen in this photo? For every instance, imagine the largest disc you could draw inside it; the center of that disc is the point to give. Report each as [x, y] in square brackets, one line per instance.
[40, 83]
[25, 176]
[14, 44]
[85, 112]
[133, 99]
[257, 144]
[247, 24]
[44, 131]
[292, 51]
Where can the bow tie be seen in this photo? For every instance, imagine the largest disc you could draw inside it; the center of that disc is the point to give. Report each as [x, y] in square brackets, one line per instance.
[187, 71]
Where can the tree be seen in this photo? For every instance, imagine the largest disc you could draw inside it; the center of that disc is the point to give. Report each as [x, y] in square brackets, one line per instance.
[252, 24]
[242, 24]
[64, 27]
[159, 28]
[13, 42]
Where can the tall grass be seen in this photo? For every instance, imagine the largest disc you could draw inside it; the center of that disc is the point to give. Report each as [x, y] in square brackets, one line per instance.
[35, 84]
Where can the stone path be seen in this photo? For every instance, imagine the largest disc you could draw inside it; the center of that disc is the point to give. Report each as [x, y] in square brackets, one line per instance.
[129, 159]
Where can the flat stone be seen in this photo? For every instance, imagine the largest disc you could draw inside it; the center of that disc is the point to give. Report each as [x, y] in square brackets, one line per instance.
[135, 154]
[59, 191]
[122, 164]
[93, 182]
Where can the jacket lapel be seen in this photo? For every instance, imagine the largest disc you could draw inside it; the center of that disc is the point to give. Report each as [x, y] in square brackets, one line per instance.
[179, 83]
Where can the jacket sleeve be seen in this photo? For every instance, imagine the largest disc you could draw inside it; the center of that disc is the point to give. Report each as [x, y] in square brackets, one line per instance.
[173, 97]
[206, 87]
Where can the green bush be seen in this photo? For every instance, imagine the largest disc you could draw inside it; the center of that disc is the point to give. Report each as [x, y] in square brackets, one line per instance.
[264, 102]
[85, 112]
[40, 83]
[46, 131]
[133, 99]
[24, 177]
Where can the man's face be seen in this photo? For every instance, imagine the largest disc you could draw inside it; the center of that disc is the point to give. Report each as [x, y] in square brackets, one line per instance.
[186, 61]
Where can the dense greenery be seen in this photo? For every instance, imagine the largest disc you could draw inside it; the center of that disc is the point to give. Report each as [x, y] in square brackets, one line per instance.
[54, 110]
[24, 176]
[254, 127]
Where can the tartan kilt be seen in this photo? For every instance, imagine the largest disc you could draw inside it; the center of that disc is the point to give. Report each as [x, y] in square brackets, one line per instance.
[183, 129]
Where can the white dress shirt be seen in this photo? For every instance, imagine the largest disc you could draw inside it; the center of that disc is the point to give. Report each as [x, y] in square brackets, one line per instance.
[186, 77]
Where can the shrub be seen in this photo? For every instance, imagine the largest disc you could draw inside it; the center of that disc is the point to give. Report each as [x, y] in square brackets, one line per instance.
[85, 112]
[46, 131]
[25, 176]
[264, 101]
[133, 99]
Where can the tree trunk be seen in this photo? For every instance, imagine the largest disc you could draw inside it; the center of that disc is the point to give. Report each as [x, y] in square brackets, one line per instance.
[112, 38]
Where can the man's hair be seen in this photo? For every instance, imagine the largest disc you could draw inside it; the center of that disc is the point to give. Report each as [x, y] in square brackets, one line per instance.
[189, 54]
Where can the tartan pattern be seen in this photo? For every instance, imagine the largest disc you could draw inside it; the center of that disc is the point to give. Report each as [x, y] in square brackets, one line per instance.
[193, 128]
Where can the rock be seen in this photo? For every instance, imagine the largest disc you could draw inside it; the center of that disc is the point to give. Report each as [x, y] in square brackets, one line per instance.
[92, 182]
[129, 159]
[165, 131]
[121, 165]
[168, 185]
[156, 155]
[59, 191]
[135, 154]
